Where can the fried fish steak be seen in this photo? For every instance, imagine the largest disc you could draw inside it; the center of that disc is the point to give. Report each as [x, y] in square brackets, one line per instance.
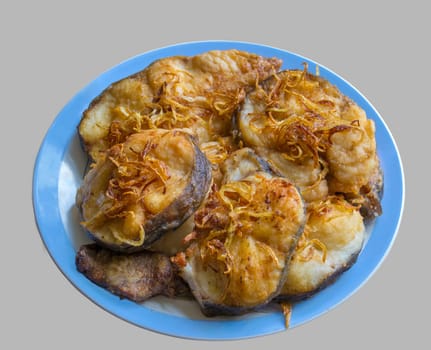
[137, 276]
[142, 188]
[199, 92]
[243, 239]
[315, 136]
[329, 245]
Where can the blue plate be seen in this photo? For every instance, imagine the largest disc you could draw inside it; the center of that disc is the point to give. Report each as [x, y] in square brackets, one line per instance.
[59, 169]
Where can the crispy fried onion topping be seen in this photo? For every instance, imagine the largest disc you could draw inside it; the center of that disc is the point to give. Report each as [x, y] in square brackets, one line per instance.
[218, 150]
[229, 212]
[173, 106]
[293, 124]
[287, 313]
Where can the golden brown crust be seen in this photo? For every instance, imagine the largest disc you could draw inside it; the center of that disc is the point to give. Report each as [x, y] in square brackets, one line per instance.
[143, 188]
[329, 245]
[315, 136]
[243, 239]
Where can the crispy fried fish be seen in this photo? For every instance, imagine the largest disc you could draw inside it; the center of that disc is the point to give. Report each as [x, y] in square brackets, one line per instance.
[315, 136]
[329, 245]
[137, 276]
[143, 188]
[242, 243]
[199, 92]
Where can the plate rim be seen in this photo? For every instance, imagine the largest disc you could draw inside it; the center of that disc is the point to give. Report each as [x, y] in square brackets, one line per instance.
[44, 189]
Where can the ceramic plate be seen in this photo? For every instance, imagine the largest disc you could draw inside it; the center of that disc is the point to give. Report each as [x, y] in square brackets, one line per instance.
[59, 170]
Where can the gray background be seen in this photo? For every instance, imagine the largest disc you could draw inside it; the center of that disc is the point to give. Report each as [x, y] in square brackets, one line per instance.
[50, 50]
